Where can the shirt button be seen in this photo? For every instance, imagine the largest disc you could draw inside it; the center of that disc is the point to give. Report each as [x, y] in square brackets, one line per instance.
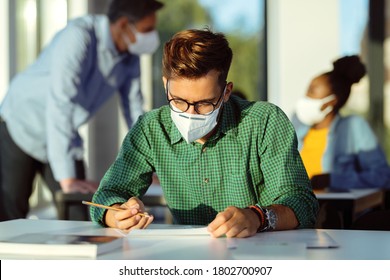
[206, 180]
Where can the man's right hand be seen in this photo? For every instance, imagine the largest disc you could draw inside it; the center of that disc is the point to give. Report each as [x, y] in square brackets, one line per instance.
[129, 217]
[73, 185]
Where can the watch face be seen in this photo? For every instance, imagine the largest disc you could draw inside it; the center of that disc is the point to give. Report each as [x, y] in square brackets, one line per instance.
[272, 219]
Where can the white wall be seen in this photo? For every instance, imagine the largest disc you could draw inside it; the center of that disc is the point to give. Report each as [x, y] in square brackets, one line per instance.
[303, 40]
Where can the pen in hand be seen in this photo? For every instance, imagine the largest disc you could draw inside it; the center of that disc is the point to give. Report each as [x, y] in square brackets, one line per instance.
[111, 208]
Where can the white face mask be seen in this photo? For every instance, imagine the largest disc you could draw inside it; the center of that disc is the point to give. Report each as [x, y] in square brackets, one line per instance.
[193, 126]
[309, 112]
[145, 43]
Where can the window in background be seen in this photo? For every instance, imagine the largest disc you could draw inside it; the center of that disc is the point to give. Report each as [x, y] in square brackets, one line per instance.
[4, 48]
[52, 18]
[243, 26]
[387, 78]
[26, 33]
[354, 18]
[353, 40]
[35, 23]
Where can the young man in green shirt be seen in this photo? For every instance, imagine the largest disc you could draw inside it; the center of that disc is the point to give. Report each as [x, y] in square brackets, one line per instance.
[222, 161]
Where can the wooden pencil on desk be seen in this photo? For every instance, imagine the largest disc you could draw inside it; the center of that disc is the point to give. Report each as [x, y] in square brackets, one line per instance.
[109, 207]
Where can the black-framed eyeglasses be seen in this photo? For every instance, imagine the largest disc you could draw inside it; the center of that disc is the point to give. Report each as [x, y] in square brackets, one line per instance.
[202, 107]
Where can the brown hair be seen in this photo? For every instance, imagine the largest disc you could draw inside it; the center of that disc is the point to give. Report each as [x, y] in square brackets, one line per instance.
[193, 53]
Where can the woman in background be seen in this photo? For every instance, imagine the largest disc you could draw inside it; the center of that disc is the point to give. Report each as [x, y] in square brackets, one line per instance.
[338, 152]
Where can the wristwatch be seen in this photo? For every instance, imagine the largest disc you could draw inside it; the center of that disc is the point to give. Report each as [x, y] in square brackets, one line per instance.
[270, 218]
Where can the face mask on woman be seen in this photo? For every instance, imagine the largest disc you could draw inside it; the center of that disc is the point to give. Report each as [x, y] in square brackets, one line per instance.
[146, 43]
[309, 111]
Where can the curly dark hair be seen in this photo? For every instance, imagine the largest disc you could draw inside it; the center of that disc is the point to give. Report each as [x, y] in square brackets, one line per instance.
[347, 71]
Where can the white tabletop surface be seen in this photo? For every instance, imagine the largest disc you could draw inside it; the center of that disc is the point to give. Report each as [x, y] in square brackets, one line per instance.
[352, 245]
[351, 194]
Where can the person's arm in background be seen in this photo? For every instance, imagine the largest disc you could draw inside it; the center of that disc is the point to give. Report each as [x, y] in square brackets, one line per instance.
[365, 165]
[68, 55]
[287, 189]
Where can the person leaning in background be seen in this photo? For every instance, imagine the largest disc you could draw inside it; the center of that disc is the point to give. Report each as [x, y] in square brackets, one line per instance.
[91, 59]
[222, 161]
[338, 152]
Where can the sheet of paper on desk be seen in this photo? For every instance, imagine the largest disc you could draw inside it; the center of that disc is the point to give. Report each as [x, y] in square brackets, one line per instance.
[169, 231]
[312, 239]
[269, 251]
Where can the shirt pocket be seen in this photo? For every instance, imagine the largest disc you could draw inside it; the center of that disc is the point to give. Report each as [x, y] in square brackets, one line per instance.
[238, 190]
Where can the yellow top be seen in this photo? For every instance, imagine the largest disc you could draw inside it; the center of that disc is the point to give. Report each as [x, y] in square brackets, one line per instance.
[314, 145]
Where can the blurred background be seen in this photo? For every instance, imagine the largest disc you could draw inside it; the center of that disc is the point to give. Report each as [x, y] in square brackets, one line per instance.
[278, 47]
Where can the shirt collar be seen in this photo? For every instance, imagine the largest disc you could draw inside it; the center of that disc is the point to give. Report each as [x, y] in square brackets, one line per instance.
[103, 32]
[174, 132]
[231, 114]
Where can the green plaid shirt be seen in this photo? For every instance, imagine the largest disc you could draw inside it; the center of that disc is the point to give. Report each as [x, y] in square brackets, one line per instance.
[252, 158]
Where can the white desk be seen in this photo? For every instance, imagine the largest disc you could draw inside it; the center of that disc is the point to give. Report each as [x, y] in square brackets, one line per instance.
[351, 194]
[353, 245]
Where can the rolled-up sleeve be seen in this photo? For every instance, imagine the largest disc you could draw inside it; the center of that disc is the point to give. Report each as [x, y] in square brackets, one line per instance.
[285, 178]
[130, 174]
